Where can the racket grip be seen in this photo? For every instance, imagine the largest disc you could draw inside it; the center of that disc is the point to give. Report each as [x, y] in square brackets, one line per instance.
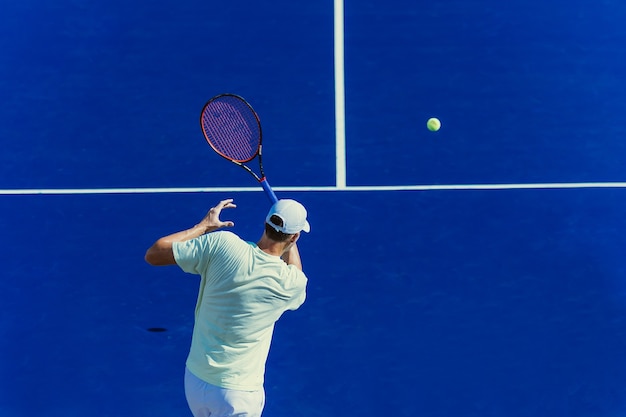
[268, 190]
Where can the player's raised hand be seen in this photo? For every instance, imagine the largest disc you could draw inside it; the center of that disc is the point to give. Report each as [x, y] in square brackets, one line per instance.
[212, 219]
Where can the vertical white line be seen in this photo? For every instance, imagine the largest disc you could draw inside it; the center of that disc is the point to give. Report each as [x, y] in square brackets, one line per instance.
[340, 104]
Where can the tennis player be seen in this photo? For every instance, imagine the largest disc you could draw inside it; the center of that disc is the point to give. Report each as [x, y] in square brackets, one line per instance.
[244, 289]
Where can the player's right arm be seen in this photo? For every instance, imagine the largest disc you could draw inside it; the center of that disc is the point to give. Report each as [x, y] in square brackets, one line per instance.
[292, 257]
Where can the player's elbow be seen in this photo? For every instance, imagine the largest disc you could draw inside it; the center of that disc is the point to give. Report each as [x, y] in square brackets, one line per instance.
[151, 257]
[157, 255]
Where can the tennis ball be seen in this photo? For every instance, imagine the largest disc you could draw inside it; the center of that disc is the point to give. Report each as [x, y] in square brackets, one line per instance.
[433, 124]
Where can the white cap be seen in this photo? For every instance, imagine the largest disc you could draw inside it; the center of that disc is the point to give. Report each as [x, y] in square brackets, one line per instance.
[293, 215]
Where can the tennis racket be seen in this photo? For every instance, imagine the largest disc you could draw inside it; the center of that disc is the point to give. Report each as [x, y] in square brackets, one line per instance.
[233, 129]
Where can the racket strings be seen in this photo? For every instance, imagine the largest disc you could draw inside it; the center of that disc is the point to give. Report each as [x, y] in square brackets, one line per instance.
[232, 128]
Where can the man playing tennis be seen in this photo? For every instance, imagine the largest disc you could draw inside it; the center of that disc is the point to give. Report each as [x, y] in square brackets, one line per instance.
[244, 289]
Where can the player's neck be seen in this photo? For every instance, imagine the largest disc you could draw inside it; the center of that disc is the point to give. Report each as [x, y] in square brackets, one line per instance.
[270, 246]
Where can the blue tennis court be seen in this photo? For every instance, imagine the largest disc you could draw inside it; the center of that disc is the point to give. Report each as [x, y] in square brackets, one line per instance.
[471, 272]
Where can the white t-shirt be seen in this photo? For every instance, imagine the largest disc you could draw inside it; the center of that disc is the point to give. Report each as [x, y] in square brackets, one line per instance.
[243, 292]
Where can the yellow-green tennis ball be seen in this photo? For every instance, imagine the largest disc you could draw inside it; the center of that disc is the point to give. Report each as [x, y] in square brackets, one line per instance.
[433, 124]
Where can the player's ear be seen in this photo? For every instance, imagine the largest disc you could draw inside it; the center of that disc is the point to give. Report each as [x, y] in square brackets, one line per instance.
[294, 238]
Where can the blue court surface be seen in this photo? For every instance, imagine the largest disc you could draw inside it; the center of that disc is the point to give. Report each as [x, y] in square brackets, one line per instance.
[477, 271]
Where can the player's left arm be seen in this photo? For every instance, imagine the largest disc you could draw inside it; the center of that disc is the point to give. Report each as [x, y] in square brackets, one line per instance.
[161, 253]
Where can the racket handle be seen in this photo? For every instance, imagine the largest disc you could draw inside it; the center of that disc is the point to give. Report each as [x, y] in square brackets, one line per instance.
[268, 190]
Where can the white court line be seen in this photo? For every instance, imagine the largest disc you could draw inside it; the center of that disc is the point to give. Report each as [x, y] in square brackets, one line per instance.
[340, 156]
[340, 98]
[372, 188]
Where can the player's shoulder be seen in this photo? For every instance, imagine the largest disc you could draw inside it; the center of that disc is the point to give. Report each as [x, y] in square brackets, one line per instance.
[226, 237]
[296, 276]
[220, 235]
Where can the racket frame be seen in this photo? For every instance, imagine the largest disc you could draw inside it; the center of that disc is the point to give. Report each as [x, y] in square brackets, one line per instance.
[242, 163]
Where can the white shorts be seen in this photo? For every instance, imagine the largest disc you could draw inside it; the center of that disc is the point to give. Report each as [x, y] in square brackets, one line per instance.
[206, 400]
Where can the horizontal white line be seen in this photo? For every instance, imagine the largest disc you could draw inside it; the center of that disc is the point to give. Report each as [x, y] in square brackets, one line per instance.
[313, 188]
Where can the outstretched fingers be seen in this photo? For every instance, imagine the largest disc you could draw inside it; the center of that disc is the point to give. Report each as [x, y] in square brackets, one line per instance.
[228, 203]
[212, 219]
